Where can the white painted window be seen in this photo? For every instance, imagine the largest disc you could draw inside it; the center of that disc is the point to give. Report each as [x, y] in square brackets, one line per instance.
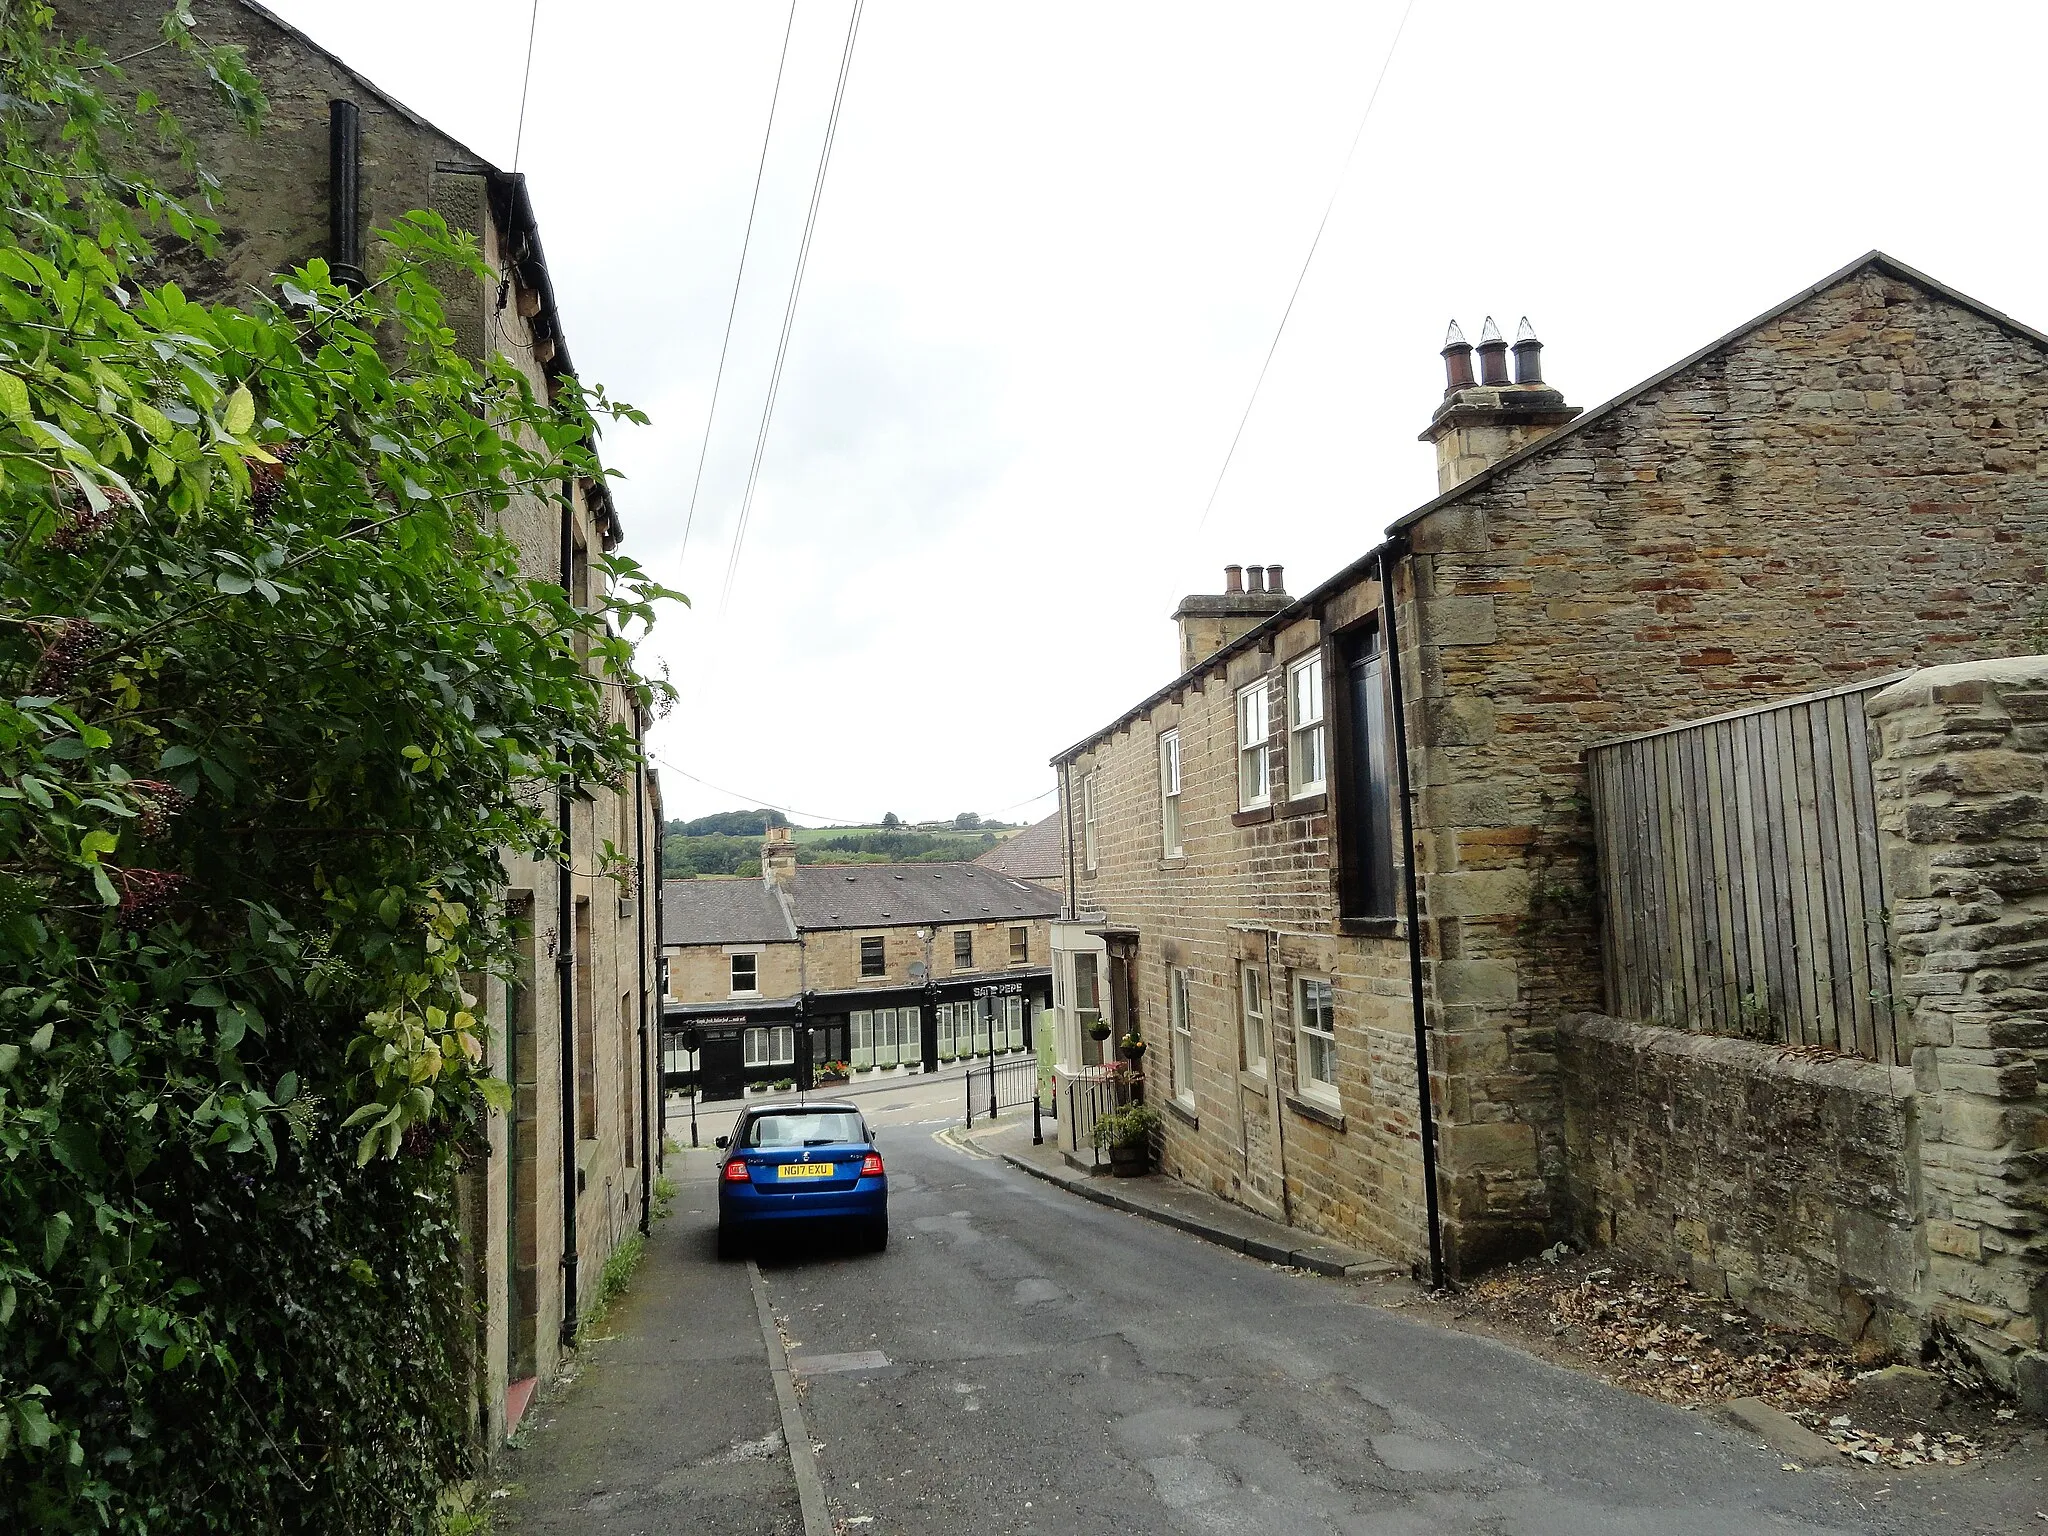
[746, 973]
[1254, 774]
[1307, 757]
[1252, 993]
[1180, 1014]
[1169, 794]
[1315, 1034]
[885, 1037]
[1088, 822]
[772, 1047]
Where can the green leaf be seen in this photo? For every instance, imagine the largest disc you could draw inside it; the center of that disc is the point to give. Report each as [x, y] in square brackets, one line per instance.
[6, 1304]
[151, 420]
[10, 1057]
[287, 1087]
[36, 1427]
[177, 757]
[119, 1047]
[497, 1093]
[56, 1233]
[97, 842]
[232, 584]
[240, 414]
[174, 1357]
[208, 996]
[14, 397]
[39, 1042]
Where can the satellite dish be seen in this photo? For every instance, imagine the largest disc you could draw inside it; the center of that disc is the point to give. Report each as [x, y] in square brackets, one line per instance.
[918, 971]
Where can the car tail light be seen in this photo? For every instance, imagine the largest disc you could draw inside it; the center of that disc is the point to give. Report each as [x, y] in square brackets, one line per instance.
[871, 1166]
[736, 1171]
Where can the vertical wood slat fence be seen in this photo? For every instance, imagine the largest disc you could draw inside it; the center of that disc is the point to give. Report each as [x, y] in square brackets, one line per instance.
[1740, 877]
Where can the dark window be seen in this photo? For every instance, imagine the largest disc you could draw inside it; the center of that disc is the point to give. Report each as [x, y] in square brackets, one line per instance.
[1366, 802]
[1020, 945]
[963, 950]
[871, 962]
[746, 974]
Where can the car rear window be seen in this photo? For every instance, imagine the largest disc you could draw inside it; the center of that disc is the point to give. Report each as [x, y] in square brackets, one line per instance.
[804, 1128]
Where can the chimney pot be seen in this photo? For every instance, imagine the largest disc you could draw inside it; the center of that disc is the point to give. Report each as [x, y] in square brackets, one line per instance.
[1493, 355]
[1457, 360]
[1528, 354]
[1273, 581]
[1233, 579]
[1255, 578]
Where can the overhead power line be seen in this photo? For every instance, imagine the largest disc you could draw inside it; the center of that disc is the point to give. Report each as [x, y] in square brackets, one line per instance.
[756, 802]
[525, 83]
[1302, 275]
[732, 308]
[796, 286]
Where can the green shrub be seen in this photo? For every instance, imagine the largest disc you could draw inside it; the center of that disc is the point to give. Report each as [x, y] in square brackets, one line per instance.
[1131, 1126]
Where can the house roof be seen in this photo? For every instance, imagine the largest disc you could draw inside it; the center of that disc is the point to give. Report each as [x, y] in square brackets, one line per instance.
[1311, 601]
[723, 912]
[1036, 853]
[898, 895]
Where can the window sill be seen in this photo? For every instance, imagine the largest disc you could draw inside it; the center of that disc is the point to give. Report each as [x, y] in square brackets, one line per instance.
[1256, 816]
[1184, 1112]
[741, 996]
[1373, 927]
[1253, 1082]
[1321, 1114]
[1173, 861]
[1313, 802]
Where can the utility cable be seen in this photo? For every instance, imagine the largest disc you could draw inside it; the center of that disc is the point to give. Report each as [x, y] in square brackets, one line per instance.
[525, 83]
[1302, 275]
[732, 309]
[755, 803]
[796, 285]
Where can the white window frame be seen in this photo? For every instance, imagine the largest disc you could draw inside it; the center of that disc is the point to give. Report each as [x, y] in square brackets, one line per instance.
[1180, 1013]
[1310, 1042]
[1088, 839]
[753, 960]
[1306, 737]
[1254, 746]
[1169, 794]
[1255, 1008]
[1020, 940]
[769, 1045]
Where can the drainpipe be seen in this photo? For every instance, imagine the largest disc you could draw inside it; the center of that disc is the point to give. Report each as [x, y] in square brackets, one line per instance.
[344, 193]
[1423, 1105]
[1273, 1086]
[640, 923]
[1067, 814]
[565, 978]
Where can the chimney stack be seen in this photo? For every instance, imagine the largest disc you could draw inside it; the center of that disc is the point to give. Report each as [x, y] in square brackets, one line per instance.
[1480, 423]
[778, 859]
[1209, 621]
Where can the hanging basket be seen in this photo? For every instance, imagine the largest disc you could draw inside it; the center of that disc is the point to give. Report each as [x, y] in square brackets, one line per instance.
[1099, 1030]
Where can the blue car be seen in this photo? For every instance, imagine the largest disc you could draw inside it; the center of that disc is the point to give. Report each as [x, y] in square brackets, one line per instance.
[797, 1163]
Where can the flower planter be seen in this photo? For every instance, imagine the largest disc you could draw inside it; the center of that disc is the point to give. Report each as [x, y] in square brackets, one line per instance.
[1130, 1162]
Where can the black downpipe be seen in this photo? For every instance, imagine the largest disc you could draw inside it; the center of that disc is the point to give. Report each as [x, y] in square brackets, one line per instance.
[565, 981]
[640, 922]
[1067, 815]
[344, 193]
[1428, 1111]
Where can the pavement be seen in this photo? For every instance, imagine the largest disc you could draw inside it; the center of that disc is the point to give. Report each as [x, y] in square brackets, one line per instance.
[1025, 1360]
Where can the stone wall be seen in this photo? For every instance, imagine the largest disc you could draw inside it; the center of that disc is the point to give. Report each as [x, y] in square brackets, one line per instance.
[1790, 1186]
[702, 973]
[1962, 776]
[1848, 487]
[831, 958]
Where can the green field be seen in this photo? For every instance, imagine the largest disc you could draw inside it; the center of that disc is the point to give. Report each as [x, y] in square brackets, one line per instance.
[802, 835]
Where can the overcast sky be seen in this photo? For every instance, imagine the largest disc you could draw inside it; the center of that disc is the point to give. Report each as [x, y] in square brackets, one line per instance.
[1053, 247]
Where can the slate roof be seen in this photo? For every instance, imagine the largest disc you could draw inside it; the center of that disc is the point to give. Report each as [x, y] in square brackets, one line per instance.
[722, 912]
[899, 895]
[1036, 853]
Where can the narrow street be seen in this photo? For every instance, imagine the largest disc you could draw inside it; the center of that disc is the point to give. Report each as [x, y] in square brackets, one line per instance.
[1024, 1361]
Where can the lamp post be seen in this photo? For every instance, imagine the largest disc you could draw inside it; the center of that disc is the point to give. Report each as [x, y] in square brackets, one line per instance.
[693, 1042]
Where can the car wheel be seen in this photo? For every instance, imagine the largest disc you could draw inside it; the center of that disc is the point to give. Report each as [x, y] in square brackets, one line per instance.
[878, 1234]
[730, 1245]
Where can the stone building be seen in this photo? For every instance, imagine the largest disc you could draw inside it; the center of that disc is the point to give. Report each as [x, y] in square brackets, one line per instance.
[1354, 826]
[873, 967]
[1037, 854]
[569, 1172]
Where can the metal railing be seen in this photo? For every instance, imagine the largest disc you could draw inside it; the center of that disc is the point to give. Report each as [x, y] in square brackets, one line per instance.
[1000, 1085]
[1086, 1100]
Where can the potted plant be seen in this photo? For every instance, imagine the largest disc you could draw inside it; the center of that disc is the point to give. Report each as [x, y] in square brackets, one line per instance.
[1133, 1047]
[833, 1072]
[1099, 1030]
[1127, 1132]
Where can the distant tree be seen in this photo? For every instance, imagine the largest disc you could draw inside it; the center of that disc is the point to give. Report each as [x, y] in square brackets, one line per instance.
[749, 869]
[966, 821]
[730, 824]
[891, 820]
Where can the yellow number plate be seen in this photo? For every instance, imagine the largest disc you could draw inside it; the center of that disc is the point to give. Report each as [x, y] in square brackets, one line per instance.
[804, 1171]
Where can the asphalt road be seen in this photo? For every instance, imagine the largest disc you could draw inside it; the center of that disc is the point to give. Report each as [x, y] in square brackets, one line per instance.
[1052, 1366]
